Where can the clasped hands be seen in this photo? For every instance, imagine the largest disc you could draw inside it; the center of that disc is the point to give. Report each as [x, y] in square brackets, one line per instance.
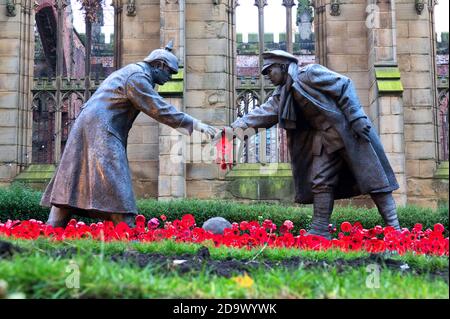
[213, 132]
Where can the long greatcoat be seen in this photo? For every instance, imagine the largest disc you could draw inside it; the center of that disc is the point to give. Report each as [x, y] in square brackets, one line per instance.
[93, 174]
[334, 95]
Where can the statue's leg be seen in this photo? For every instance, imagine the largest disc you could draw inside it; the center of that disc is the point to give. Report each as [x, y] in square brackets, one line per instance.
[59, 217]
[323, 207]
[325, 170]
[386, 206]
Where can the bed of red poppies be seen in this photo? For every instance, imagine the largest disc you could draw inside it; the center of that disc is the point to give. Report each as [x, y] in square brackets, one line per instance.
[246, 234]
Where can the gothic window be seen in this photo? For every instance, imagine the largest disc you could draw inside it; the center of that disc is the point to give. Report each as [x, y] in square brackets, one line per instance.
[60, 71]
[442, 109]
[246, 102]
[443, 125]
[43, 119]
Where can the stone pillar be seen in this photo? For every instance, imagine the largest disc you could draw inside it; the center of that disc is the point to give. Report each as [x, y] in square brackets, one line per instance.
[209, 88]
[139, 35]
[341, 41]
[16, 76]
[140, 29]
[172, 161]
[60, 6]
[320, 27]
[415, 38]
[118, 12]
[386, 103]
[289, 4]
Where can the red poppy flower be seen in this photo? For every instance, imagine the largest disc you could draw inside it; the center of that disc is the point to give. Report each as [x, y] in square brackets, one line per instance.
[357, 226]
[346, 227]
[188, 220]
[269, 225]
[159, 234]
[430, 242]
[261, 235]
[439, 228]
[72, 222]
[243, 225]
[251, 242]
[140, 219]
[378, 230]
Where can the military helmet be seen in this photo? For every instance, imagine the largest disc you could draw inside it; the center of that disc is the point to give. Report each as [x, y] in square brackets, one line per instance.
[276, 56]
[166, 56]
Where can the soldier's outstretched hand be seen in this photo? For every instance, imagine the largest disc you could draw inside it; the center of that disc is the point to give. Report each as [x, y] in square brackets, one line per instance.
[205, 128]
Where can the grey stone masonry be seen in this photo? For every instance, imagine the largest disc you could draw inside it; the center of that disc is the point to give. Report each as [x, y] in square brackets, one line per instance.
[172, 145]
[16, 72]
[386, 108]
[415, 51]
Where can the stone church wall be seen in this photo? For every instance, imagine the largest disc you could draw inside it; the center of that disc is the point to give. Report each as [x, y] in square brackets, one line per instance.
[400, 45]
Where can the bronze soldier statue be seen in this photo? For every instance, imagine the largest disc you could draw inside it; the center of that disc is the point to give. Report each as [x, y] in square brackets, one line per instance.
[335, 152]
[93, 178]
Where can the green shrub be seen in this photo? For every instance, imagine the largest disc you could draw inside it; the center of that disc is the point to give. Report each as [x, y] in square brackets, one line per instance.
[300, 215]
[19, 202]
[232, 211]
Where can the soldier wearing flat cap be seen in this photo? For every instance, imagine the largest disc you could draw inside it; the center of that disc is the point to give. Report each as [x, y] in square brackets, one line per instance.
[335, 151]
[93, 178]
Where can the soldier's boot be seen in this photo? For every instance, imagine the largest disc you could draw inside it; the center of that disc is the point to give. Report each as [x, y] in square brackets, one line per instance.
[59, 217]
[323, 207]
[129, 219]
[386, 207]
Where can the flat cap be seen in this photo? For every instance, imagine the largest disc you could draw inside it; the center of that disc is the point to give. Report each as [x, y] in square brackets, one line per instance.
[276, 56]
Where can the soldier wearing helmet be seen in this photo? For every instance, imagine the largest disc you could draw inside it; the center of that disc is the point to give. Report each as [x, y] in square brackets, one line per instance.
[93, 178]
[335, 151]
[164, 63]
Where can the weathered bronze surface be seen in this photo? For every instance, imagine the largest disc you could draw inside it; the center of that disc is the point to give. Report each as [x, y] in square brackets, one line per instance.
[334, 148]
[93, 177]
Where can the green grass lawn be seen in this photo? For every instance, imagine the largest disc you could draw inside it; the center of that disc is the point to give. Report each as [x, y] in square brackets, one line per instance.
[41, 269]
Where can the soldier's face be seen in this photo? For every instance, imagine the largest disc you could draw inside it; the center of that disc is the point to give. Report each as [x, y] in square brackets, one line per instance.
[162, 75]
[276, 75]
